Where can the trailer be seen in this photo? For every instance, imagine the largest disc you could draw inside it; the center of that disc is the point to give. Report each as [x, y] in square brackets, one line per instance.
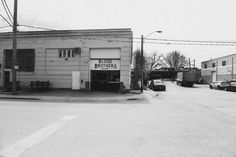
[186, 78]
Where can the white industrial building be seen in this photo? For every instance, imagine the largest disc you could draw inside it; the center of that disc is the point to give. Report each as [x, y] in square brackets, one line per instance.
[76, 59]
[222, 68]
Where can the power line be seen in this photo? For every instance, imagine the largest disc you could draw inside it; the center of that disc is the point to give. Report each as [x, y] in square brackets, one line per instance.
[187, 44]
[173, 42]
[48, 29]
[6, 10]
[4, 27]
[194, 41]
[6, 20]
[161, 43]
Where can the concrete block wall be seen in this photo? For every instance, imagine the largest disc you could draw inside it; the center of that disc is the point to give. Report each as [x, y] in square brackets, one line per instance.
[84, 66]
[48, 65]
[125, 67]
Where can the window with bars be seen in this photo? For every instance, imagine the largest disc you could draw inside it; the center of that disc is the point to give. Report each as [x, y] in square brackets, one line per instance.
[66, 53]
[25, 60]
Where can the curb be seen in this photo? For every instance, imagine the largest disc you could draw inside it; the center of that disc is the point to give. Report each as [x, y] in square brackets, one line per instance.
[93, 99]
[73, 99]
[19, 98]
[152, 93]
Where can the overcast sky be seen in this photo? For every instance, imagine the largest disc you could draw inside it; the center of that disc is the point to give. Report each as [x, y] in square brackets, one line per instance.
[178, 19]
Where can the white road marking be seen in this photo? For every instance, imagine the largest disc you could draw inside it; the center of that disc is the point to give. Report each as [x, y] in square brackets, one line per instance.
[68, 118]
[33, 139]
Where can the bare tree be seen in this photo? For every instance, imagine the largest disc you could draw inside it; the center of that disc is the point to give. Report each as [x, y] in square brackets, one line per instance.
[175, 60]
[155, 60]
[137, 68]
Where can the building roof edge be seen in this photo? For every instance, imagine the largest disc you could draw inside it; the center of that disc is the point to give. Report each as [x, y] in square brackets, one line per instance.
[69, 32]
[219, 57]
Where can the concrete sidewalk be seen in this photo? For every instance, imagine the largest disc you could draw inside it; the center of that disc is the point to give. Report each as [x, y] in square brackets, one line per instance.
[151, 92]
[63, 95]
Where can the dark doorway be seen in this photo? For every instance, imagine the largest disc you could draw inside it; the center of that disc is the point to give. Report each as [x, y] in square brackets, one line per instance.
[105, 80]
[6, 78]
[8, 82]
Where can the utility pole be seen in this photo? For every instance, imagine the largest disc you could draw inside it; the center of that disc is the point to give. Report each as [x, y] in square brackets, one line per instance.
[141, 66]
[14, 49]
[142, 41]
[189, 62]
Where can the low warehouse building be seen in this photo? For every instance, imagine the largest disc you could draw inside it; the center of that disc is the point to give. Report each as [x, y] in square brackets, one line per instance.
[222, 68]
[76, 59]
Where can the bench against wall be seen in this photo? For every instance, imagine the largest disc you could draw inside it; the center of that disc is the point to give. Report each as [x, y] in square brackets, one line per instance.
[42, 85]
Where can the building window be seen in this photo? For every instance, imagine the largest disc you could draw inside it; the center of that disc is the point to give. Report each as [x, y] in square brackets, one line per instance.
[66, 53]
[223, 63]
[213, 65]
[205, 66]
[25, 60]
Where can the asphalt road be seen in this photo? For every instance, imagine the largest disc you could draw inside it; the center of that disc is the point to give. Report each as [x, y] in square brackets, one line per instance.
[191, 122]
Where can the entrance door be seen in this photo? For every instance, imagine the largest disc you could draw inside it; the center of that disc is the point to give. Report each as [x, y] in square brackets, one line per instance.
[6, 78]
[105, 80]
[99, 79]
[213, 76]
[75, 80]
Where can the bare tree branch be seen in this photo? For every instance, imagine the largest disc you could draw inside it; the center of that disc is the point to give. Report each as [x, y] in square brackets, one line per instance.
[155, 61]
[175, 60]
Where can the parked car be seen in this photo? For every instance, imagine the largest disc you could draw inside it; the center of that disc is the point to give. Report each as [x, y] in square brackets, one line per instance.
[218, 85]
[231, 85]
[200, 81]
[157, 85]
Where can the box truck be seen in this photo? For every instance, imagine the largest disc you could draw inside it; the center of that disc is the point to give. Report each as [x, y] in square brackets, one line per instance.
[186, 78]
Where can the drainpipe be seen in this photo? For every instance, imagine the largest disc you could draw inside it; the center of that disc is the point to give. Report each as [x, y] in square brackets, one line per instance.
[216, 69]
[232, 68]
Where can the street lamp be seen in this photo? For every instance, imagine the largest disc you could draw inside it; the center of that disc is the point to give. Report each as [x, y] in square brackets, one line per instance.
[142, 41]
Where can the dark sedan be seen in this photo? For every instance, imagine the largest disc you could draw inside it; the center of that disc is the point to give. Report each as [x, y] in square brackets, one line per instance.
[157, 85]
[231, 85]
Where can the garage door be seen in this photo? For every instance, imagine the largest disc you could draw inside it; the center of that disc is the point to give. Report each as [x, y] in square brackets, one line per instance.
[111, 53]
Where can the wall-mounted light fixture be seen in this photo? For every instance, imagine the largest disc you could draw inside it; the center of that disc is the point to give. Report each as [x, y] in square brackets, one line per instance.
[86, 61]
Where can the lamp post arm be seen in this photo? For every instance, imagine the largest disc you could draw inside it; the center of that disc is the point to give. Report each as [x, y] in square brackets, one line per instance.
[152, 33]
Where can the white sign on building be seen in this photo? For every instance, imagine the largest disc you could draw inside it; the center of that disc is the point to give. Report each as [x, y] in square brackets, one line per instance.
[105, 64]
